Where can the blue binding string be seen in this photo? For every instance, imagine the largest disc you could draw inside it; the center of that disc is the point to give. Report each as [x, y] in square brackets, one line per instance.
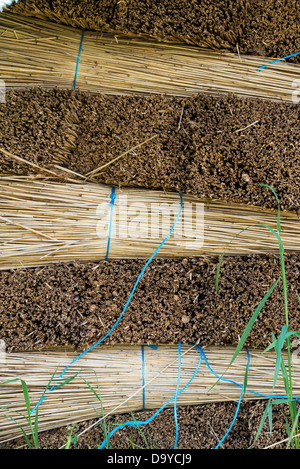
[202, 354]
[277, 60]
[133, 423]
[112, 203]
[240, 385]
[78, 59]
[238, 406]
[124, 309]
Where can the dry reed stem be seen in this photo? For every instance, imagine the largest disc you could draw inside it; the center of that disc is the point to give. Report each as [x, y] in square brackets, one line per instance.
[45, 54]
[100, 168]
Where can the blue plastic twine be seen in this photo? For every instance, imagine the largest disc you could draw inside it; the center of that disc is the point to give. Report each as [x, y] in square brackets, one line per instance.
[239, 402]
[124, 309]
[133, 423]
[112, 203]
[78, 59]
[278, 60]
[202, 354]
[240, 385]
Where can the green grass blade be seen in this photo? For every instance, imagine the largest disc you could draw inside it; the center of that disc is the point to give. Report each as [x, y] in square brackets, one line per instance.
[103, 424]
[273, 344]
[49, 383]
[67, 381]
[22, 429]
[36, 434]
[139, 429]
[262, 422]
[288, 431]
[93, 390]
[278, 349]
[270, 420]
[10, 381]
[248, 328]
[294, 428]
[27, 403]
[267, 413]
[278, 216]
[70, 439]
[26, 396]
[252, 320]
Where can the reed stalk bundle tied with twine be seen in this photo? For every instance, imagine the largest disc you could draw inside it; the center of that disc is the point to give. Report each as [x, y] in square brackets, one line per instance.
[124, 380]
[43, 222]
[34, 52]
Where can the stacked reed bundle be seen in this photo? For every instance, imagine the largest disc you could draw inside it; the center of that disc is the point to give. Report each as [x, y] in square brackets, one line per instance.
[44, 222]
[39, 53]
[117, 375]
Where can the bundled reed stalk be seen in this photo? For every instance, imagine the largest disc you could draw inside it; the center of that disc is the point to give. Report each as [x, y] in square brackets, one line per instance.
[43, 222]
[117, 375]
[34, 52]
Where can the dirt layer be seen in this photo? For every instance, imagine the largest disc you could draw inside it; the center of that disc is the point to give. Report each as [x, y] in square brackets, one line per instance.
[76, 305]
[251, 27]
[212, 147]
[200, 427]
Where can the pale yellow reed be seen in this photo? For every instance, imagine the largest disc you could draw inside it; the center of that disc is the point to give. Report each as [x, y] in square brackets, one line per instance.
[43, 222]
[116, 372]
[35, 52]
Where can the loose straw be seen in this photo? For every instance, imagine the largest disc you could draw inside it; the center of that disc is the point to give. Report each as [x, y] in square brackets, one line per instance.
[43, 222]
[35, 52]
[117, 374]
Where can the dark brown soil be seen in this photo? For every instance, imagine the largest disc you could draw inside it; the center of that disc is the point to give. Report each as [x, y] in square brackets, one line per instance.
[205, 153]
[76, 305]
[258, 27]
[200, 427]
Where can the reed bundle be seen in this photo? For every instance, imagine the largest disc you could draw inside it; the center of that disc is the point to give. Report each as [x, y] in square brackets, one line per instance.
[43, 222]
[34, 52]
[116, 373]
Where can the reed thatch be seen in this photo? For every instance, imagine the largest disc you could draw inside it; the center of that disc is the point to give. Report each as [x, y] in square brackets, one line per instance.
[34, 52]
[117, 374]
[44, 222]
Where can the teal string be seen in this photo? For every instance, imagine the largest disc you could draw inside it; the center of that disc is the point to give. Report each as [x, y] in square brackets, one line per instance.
[240, 385]
[277, 60]
[202, 355]
[78, 59]
[134, 423]
[112, 203]
[238, 406]
[124, 309]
